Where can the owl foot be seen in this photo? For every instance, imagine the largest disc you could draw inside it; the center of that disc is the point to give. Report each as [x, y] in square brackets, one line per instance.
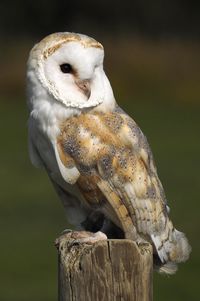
[143, 245]
[141, 241]
[86, 237]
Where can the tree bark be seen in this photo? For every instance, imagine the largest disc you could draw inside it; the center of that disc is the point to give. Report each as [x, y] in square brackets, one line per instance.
[112, 270]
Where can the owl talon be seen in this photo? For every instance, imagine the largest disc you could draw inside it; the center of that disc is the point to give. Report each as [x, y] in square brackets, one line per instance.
[144, 246]
[73, 243]
[141, 242]
[66, 231]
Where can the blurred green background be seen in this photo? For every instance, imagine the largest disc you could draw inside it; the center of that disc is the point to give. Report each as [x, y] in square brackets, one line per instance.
[153, 63]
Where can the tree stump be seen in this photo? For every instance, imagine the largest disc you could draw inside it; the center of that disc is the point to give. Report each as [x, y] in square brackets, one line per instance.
[112, 270]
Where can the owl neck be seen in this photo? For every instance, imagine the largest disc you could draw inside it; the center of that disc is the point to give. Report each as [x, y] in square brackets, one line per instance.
[45, 111]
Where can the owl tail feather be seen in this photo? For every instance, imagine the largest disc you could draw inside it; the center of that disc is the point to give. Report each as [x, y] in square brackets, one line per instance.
[172, 247]
[168, 268]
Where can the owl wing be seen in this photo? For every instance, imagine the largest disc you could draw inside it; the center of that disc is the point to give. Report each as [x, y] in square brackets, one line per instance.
[135, 182]
[115, 170]
[109, 154]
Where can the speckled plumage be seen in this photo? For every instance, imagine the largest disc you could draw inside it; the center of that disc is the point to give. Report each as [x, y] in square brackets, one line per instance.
[96, 156]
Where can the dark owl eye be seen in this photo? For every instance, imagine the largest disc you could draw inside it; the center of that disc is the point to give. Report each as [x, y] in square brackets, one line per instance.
[66, 68]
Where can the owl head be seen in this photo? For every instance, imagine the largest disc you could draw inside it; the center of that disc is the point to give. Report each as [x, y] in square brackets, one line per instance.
[69, 67]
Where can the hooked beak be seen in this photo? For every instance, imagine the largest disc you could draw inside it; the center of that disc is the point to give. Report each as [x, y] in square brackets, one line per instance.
[84, 86]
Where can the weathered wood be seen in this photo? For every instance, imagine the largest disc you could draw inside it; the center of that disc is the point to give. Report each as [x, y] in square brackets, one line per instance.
[105, 271]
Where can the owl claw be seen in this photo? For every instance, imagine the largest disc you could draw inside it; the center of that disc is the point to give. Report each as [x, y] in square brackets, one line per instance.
[66, 231]
[86, 237]
[141, 242]
[144, 246]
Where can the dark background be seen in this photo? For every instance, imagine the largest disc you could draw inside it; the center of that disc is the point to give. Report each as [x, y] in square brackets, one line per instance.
[152, 58]
[154, 19]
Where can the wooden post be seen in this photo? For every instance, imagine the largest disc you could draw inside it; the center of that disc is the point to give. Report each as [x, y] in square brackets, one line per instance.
[112, 270]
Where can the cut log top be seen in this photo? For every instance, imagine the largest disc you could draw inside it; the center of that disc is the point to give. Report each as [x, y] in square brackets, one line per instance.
[105, 271]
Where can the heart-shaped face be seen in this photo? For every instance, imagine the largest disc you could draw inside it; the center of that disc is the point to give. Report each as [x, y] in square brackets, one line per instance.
[70, 67]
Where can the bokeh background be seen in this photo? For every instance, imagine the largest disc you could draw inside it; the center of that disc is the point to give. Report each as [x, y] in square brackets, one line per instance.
[153, 62]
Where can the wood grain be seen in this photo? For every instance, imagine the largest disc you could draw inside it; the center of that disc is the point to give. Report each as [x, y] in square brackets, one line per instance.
[112, 270]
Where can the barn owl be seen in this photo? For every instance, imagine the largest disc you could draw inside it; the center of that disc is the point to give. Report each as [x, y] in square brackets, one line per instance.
[96, 156]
